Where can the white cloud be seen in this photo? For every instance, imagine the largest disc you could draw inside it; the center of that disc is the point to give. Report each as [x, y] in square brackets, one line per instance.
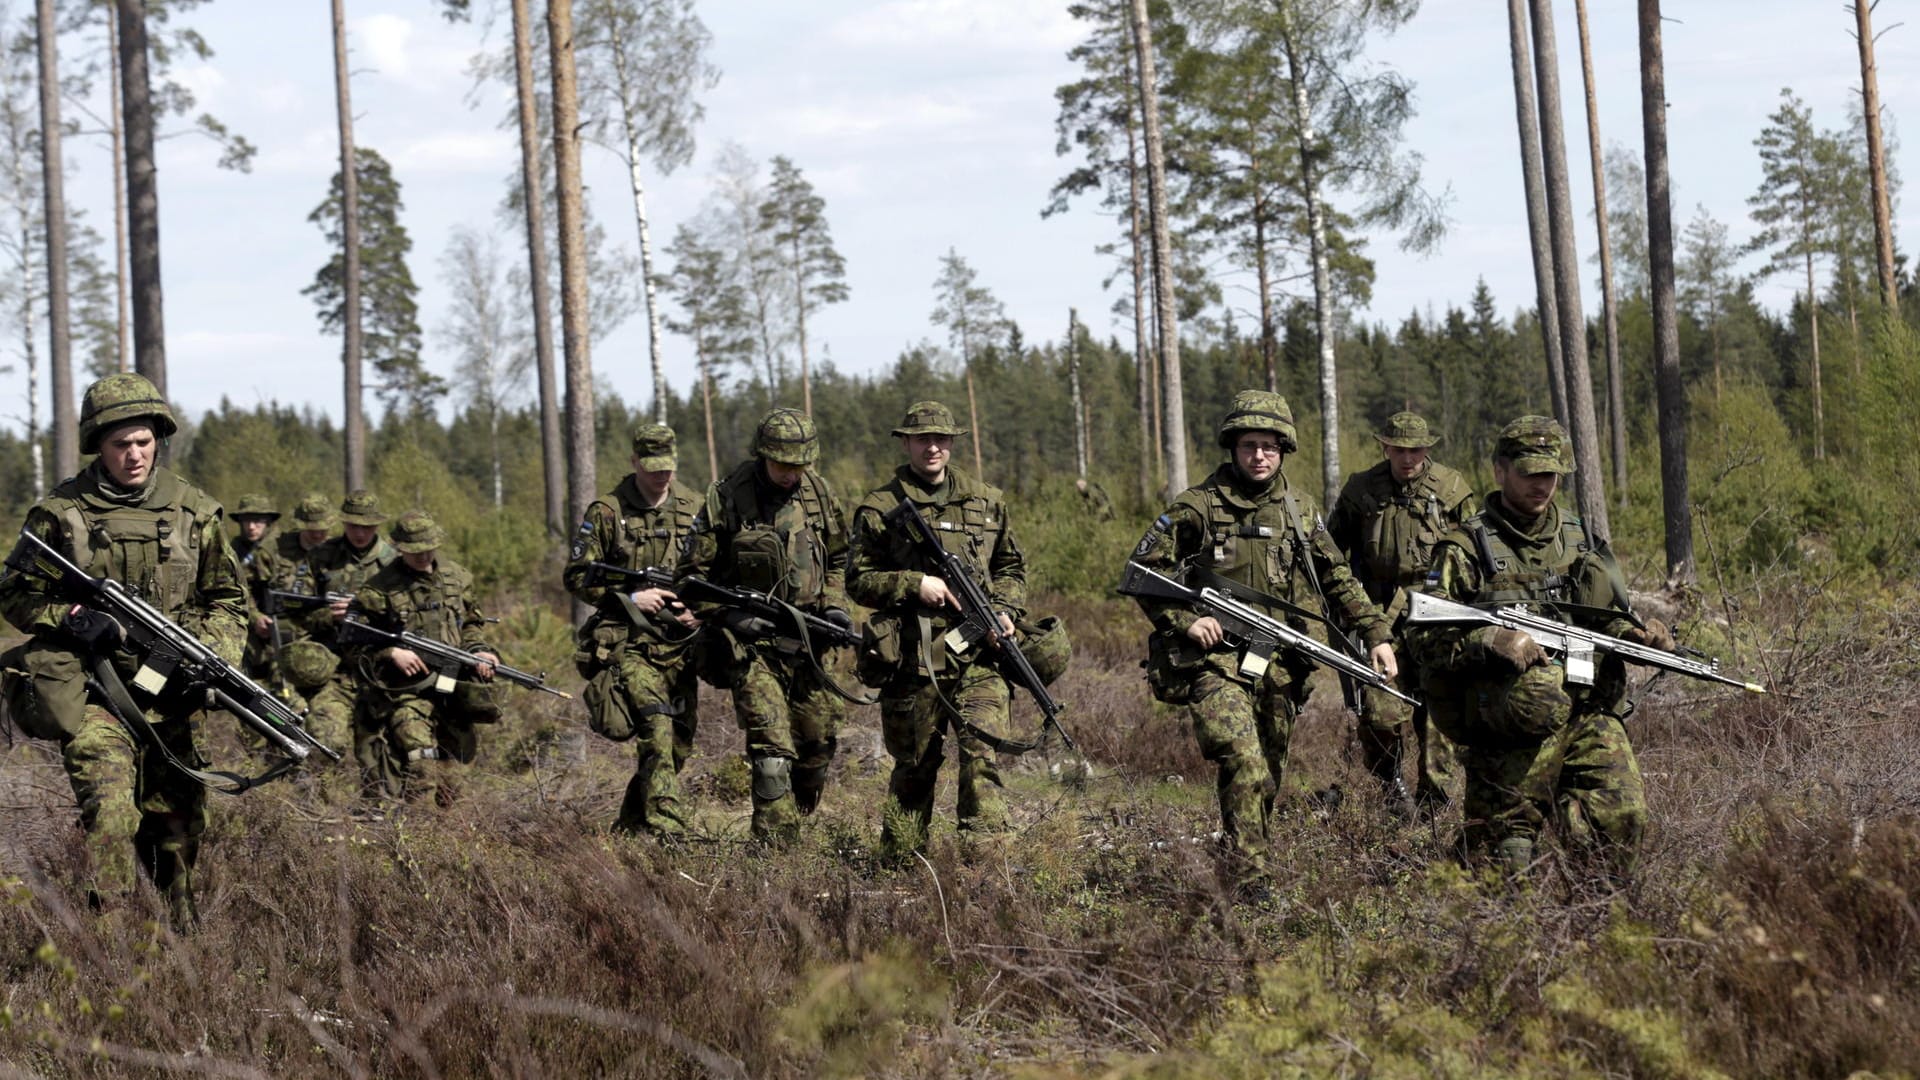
[382, 40]
[907, 114]
[457, 152]
[203, 81]
[1013, 25]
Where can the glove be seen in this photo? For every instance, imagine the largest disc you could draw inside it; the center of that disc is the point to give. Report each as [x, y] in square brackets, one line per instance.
[96, 630]
[838, 618]
[747, 626]
[1516, 647]
[1654, 635]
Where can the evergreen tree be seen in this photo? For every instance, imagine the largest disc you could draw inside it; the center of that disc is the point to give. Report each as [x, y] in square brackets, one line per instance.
[794, 219]
[971, 314]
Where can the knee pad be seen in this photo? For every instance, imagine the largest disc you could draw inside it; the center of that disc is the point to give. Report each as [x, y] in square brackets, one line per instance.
[772, 777]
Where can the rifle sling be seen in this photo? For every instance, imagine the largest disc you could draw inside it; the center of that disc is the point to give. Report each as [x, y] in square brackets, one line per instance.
[960, 723]
[118, 701]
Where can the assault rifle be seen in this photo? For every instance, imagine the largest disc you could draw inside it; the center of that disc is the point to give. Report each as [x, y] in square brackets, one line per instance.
[753, 605]
[978, 621]
[169, 656]
[276, 601]
[1577, 647]
[446, 662]
[621, 582]
[1258, 633]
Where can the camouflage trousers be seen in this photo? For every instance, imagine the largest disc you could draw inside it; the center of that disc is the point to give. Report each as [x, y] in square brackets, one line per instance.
[659, 704]
[393, 730]
[1244, 729]
[915, 725]
[330, 710]
[136, 807]
[1584, 777]
[1382, 731]
[792, 723]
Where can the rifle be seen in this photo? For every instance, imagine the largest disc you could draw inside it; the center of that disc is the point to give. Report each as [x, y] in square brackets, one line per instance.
[1254, 630]
[170, 655]
[1576, 646]
[445, 661]
[275, 601]
[622, 582]
[978, 621]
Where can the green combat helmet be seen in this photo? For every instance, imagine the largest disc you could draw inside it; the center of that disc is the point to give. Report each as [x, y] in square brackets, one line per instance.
[1407, 430]
[1536, 444]
[315, 512]
[415, 532]
[1259, 410]
[117, 399]
[928, 418]
[1046, 646]
[788, 437]
[653, 446]
[361, 508]
[255, 506]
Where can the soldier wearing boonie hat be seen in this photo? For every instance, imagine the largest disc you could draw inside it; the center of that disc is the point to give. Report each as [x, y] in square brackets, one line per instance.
[1387, 520]
[638, 648]
[1535, 747]
[339, 565]
[412, 728]
[257, 548]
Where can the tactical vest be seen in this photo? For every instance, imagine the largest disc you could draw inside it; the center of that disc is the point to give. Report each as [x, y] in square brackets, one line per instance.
[786, 557]
[968, 522]
[648, 535]
[1260, 549]
[155, 550]
[432, 605]
[1549, 576]
[1404, 523]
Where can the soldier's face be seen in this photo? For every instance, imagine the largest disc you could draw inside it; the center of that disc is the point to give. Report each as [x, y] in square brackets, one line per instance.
[418, 561]
[127, 453]
[1257, 455]
[928, 454]
[651, 484]
[361, 536]
[1407, 461]
[312, 537]
[783, 474]
[252, 529]
[1524, 492]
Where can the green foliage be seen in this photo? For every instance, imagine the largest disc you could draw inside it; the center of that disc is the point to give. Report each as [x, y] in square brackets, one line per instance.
[852, 1017]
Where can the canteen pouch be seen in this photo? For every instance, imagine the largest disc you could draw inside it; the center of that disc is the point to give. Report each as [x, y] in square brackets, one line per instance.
[1173, 662]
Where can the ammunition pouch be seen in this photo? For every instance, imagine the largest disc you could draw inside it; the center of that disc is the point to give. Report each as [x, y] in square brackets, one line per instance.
[599, 645]
[1173, 662]
[881, 653]
[44, 690]
[760, 559]
[607, 711]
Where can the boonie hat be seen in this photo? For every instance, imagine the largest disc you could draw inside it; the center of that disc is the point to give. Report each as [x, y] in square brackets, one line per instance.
[1535, 444]
[928, 418]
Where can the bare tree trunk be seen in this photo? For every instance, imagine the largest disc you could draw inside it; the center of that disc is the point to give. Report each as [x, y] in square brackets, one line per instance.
[143, 195]
[553, 468]
[800, 334]
[1073, 381]
[973, 407]
[1590, 481]
[706, 406]
[124, 348]
[1672, 394]
[1537, 232]
[1813, 336]
[1876, 159]
[654, 331]
[66, 433]
[493, 445]
[355, 426]
[1322, 276]
[1269, 336]
[1143, 368]
[1616, 391]
[1174, 430]
[574, 327]
[36, 451]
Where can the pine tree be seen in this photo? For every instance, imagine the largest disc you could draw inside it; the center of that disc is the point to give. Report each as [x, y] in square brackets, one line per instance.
[794, 220]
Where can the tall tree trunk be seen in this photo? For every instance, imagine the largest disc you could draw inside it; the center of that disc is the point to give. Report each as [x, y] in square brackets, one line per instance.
[143, 195]
[973, 407]
[1672, 394]
[1269, 335]
[552, 460]
[1073, 383]
[1876, 159]
[800, 334]
[1590, 482]
[1322, 276]
[123, 358]
[1538, 237]
[493, 446]
[66, 433]
[36, 451]
[355, 427]
[574, 326]
[1813, 337]
[1616, 391]
[1174, 429]
[632, 131]
[1146, 379]
[706, 408]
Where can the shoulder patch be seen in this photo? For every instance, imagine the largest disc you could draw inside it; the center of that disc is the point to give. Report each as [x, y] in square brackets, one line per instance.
[1152, 537]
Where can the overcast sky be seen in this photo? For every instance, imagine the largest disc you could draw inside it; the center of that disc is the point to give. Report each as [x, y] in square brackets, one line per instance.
[925, 124]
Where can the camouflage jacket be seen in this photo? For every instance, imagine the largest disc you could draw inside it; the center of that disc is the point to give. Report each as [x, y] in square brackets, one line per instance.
[335, 566]
[789, 544]
[259, 566]
[621, 529]
[1269, 540]
[169, 544]
[969, 518]
[436, 604]
[1388, 529]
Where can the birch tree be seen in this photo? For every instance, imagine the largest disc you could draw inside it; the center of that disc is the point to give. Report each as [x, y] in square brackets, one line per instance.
[487, 336]
[755, 266]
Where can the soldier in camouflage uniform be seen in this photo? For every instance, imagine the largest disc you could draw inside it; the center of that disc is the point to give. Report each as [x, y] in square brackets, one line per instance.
[927, 694]
[1387, 521]
[1532, 745]
[127, 518]
[636, 650]
[421, 729]
[256, 546]
[1245, 530]
[341, 566]
[773, 525]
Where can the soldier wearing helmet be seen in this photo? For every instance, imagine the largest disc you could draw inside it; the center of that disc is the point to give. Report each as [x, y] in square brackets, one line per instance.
[927, 694]
[773, 525]
[1534, 747]
[1387, 521]
[637, 649]
[1246, 530]
[131, 519]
